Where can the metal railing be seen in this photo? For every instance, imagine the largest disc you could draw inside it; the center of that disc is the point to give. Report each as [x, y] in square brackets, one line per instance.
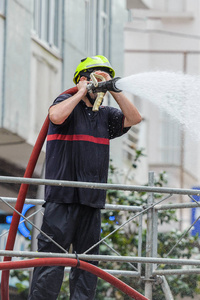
[151, 208]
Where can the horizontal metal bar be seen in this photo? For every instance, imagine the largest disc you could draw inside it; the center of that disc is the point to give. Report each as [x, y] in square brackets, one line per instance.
[107, 206]
[27, 201]
[123, 207]
[112, 272]
[114, 206]
[177, 271]
[115, 272]
[176, 205]
[123, 273]
[110, 258]
[101, 186]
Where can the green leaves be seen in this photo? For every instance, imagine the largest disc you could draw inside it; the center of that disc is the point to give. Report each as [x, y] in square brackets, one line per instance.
[22, 284]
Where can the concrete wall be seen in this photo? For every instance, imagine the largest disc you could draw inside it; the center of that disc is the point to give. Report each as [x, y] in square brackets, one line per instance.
[17, 70]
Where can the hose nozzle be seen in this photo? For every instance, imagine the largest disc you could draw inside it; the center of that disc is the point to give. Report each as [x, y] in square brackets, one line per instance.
[104, 86]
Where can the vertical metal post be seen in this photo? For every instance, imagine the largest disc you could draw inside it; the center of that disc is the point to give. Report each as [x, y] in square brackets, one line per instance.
[3, 91]
[149, 241]
[140, 242]
[37, 221]
[38, 217]
[182, 150]
[155, 236]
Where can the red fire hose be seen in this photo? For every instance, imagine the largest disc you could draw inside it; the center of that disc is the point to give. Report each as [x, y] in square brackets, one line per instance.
[21, 199]
[70, 262]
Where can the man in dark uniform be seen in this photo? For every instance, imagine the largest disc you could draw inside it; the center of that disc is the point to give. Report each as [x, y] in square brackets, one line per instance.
[78, 150]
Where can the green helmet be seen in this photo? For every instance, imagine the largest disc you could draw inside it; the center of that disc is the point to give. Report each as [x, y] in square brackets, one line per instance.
[89, 64]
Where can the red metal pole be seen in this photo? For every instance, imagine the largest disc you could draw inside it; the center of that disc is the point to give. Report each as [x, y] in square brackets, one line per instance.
[73, 263]
[21, 198]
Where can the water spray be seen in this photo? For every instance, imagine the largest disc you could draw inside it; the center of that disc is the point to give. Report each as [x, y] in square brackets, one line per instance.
[175, 93]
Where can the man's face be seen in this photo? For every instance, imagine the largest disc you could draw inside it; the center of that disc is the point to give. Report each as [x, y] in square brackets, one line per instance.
[92, 96]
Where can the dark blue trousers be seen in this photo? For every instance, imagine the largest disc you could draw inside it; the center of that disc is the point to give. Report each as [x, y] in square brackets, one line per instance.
[67, 224]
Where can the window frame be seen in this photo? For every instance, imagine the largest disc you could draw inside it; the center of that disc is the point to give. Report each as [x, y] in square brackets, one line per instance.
[47, 14]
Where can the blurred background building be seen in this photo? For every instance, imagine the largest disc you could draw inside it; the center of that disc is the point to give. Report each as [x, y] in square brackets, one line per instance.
[42, 42]
[164, 36]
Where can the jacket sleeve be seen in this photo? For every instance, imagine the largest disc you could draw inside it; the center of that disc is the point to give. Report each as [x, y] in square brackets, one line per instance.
[116, 123]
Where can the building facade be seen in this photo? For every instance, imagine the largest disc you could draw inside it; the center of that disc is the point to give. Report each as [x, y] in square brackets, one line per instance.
[42, 42]
[164, 36]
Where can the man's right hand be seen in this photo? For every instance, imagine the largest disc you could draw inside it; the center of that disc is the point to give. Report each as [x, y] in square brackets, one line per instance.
[61, 111]
[82, 85]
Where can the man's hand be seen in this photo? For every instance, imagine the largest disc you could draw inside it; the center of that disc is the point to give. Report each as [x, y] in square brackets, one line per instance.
[61, 111]
[104, 74]
[82, 85]
[132, 115]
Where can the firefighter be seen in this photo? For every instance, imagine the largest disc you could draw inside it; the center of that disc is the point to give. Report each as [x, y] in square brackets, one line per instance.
[78, 150]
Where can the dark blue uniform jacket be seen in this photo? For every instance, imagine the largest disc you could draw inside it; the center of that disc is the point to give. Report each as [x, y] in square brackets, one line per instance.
[78, 150]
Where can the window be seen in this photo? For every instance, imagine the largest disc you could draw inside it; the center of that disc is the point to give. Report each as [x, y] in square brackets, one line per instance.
[97, 27]
[90, 25]
[87, 26]
[47, 18]
[103, 27]
[175, 6]
[170, 140]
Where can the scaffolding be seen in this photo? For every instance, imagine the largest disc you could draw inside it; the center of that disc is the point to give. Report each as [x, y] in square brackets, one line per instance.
[151, 260]
[151, 208]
